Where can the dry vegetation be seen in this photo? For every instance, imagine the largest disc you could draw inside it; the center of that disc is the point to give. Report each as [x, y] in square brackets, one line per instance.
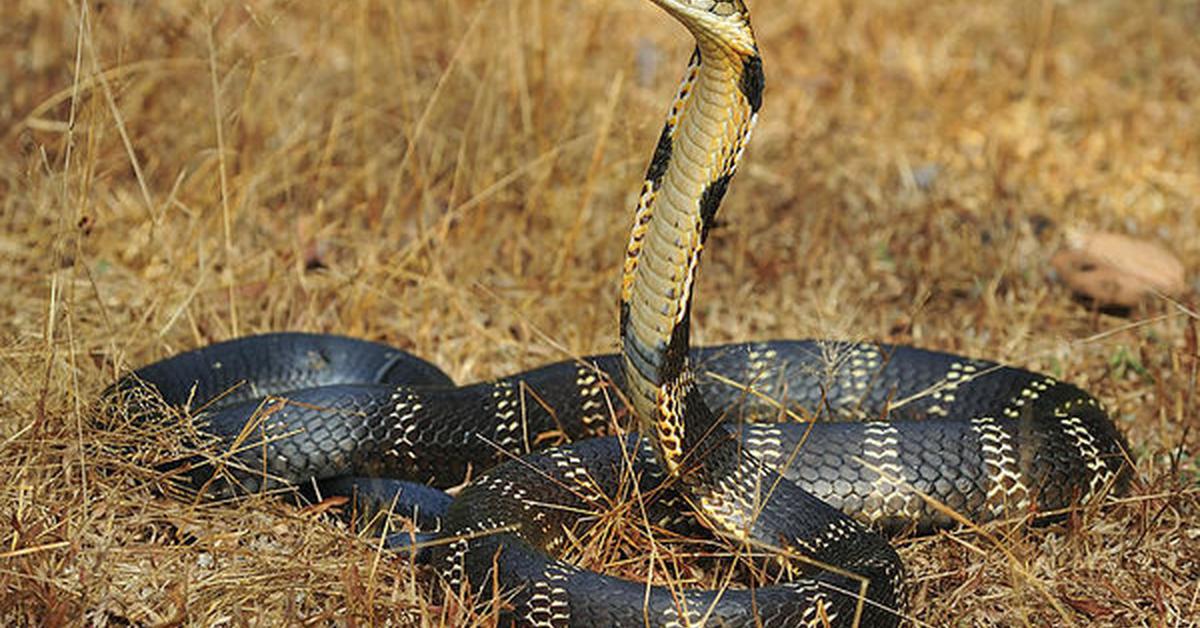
[456, 178]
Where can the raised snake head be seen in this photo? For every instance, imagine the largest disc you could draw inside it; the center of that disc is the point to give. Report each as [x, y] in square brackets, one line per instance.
[721, 23]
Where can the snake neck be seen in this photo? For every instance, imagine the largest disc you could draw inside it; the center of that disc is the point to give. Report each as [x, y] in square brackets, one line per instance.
[698, 150]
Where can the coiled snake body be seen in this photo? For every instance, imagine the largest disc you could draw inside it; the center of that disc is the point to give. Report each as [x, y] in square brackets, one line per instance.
[906, 437]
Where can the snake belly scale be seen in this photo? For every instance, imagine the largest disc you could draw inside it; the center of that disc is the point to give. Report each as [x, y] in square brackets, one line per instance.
[905, 436]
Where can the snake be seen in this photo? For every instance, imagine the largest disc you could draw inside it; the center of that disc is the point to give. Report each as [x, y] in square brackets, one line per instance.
[810, 451]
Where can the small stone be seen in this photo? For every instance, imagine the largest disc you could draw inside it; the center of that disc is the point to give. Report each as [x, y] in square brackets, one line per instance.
[925, 175]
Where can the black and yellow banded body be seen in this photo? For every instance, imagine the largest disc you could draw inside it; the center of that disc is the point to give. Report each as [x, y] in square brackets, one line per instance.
[889, 422]
[894, 426]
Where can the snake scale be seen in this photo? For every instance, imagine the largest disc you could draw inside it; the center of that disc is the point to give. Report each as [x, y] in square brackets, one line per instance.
[803, 447]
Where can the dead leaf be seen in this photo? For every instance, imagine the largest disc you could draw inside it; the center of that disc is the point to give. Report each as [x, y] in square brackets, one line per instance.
[1112, 269]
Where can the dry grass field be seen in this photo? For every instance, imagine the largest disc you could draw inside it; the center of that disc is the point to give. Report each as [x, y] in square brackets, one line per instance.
[457, 177]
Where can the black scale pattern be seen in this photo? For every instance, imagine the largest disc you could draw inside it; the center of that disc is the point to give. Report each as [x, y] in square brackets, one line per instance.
[355, 408]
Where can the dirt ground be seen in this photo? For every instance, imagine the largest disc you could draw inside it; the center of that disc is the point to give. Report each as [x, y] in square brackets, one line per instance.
[457, 178]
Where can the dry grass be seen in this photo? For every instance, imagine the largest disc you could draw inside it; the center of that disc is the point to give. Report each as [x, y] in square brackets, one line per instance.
[457, 178]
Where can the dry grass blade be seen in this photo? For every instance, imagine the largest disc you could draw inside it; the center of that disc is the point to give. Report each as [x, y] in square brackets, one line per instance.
[457, 178]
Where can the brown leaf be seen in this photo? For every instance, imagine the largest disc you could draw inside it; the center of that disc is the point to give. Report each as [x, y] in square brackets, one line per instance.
[1089, 607]
[1117, 270]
